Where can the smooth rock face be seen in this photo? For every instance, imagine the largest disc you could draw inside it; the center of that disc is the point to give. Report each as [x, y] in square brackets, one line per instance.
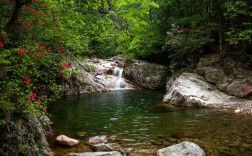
[66, 141]
[183, 149]
[113, 153]
[98, 139]
[145, 74]
[190, 89]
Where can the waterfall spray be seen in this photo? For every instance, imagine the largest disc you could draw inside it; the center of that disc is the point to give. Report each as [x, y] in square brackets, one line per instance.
[118, 76]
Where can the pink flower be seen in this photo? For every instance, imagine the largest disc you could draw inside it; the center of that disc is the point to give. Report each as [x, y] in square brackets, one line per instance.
[21, 52]
[1, 44]
[27, 81]
[32, 97]
[3, 35]
[64, 65]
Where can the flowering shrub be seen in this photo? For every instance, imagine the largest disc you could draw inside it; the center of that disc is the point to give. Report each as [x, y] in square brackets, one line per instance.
[30, 56]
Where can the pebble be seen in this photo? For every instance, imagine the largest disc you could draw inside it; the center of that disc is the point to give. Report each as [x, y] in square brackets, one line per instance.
[81, 133]
[172, 140]
[247, 146]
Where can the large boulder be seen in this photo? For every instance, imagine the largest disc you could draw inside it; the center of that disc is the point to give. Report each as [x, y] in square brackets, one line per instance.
[236, 87]
[66, 141]
[190, 89]
[113, 153]
[182, 149]
[229, 76]
[80, 81]
[145, 74]
[211, 74]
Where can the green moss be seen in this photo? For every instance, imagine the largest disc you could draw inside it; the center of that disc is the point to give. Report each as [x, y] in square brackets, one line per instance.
[93, 68]
[23, 150]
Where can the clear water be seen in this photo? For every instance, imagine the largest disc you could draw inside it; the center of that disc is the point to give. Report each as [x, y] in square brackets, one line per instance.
[134, 114]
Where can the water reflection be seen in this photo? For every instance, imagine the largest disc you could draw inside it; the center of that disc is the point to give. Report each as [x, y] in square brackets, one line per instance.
[134, 114]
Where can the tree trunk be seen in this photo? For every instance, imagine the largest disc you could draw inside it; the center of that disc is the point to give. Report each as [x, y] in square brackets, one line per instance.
[10, 25]
[220, 31]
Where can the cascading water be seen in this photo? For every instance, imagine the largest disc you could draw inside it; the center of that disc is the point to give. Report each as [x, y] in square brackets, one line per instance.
[119, 83]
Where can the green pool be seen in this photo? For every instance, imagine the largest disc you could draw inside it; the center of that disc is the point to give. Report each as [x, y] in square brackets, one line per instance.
[133, 114]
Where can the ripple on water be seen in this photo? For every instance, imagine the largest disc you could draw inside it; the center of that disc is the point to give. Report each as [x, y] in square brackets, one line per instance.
[132, 114]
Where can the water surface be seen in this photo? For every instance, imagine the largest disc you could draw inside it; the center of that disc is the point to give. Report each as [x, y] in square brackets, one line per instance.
[133, 114]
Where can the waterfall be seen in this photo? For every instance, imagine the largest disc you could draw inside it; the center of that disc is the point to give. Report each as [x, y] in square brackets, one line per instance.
[119, 83]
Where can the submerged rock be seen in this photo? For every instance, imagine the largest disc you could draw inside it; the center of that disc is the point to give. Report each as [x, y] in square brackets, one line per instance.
[113, 153]
[98, 139]
[190, 89]
[165, 107]
[183, 149]
[180, 135]
[66, 141]
[143, 152]
[107, 147]
[145, 74]
[81, 133]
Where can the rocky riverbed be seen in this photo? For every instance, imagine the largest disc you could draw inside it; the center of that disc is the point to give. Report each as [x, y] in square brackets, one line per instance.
[211, 84]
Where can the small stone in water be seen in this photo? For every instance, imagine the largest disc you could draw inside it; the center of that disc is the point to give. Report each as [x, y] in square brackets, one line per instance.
[180, 135]
[81, 134]
[153, 142]
[98, 139]
[235, 144]
[247, 146]
[112, 138]
[172, 140]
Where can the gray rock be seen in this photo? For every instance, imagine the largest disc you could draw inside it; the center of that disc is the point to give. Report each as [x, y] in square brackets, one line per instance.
[229, 77]
[145, 74]
[225, 82]
[98, 139]
[28, 134]
[83, 82]
[113, 153]
[183, 149]
[212, 60]
[236, 88]
[107, 147]
[192, 90]
[212, 75]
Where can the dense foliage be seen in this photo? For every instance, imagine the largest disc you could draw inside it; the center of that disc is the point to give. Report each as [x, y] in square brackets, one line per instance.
[30, 58]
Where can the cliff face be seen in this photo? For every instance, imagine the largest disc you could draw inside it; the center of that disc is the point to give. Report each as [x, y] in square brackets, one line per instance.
[212, 84]
[231, 77]
[145, 74]
[25, 136]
